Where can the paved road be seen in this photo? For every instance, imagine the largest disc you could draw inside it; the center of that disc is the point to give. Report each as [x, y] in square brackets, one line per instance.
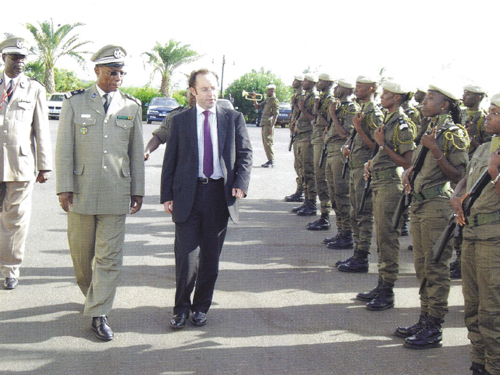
[280, 306]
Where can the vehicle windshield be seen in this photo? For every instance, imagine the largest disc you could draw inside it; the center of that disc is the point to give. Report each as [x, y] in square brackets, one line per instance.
[164, 102]
[56, 98]
[285, 106]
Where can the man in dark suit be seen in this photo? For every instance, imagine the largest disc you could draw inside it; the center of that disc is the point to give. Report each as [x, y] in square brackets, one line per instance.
[206, 169]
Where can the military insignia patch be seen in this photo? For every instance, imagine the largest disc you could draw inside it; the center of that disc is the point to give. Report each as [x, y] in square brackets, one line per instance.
[83, 130]
[118, 54]
[124, 118]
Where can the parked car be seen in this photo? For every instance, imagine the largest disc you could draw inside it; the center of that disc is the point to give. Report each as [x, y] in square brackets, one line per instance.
[159, 108]
[54, 102]
[285, 115]
[224, 103]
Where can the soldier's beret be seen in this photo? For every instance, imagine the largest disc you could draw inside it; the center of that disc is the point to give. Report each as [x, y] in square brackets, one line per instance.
[271, 86]
[495, 99]
[326, 77]
[14, 45]
[110, 55]
[475, 89]
[311, 77]
[395, 88]
[299, 78]
[444, 89]
[365, 79]
[344, 83]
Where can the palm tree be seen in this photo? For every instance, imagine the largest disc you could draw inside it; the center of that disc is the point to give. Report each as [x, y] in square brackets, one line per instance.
[53, 44]
[165, 59]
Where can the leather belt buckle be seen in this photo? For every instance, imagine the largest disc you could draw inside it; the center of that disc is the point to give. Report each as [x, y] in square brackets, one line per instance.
[203, 180]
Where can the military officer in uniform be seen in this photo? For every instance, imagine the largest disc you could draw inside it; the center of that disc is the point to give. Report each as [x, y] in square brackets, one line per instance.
[270, 110]
[26, 149]
[321, 122]
[100, 178]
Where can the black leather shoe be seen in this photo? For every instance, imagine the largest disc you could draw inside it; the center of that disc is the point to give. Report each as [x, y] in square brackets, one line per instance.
[298, 208]
[298, 196]
[344, 241]
[102, 329]
[268, 164]
[456, 273]
[339, 262]
[309, 209]
[322, 223]
[478, 369]
[384, 301]
[10, 283]
[354, 266]
[199, 319]
[428, 337]
[327, 240]
[367, 297]
[405, 332]
[178, 321]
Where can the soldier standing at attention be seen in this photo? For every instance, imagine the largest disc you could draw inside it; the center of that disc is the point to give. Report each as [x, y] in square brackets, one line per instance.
[100, 178]
[321, 123]
[304, 129]
[271, 108]
[480, 260]
[298, 196]
[25, 136]
[447, 146]
[365, 123]
[342, 112]
[395, 139]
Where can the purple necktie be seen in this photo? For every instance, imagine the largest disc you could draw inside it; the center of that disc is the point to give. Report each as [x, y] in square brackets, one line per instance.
[208, 156]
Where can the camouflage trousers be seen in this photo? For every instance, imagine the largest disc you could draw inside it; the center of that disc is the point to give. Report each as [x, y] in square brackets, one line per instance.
[361, 223]
[339, 191]
[320, 175]
[268, 141]
[481, 289]
[306, 158]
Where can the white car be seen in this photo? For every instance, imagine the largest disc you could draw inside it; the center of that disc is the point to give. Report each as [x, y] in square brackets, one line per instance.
[54, 103]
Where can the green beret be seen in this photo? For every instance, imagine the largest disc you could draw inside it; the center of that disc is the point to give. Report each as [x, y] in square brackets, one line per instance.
[344, 83]
[326, 77]
[365, 79]
[311, 77]
[110, 55]
[14, 45]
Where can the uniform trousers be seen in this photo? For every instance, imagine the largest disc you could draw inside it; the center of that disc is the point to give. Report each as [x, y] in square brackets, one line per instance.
[297, 165]
[306, 155]
[15, 220]
[320, 175]
[338, 190]
[96, 246]
[481, 289]
[361, 223]
[198, 244]
[386, 193]
[428, 220]
[268, 141]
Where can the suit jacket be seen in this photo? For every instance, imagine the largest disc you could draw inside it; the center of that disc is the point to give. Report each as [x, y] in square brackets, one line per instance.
[99, 157]
[180, 164]
[24, 132]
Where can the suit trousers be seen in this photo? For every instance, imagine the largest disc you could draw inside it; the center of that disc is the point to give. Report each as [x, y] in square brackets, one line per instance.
[16, 214]
[198, 244]
[96, 246]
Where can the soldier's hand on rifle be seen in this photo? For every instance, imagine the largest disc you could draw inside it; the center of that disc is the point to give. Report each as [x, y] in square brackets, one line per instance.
[494, 164]
[457, 205]
[429, 140]
[346, 151]
[367, 170]
[406, 180]
[379, 135]
[357, 120]
[302, 103]
[292, 127]
[316, 104]
[333, 108]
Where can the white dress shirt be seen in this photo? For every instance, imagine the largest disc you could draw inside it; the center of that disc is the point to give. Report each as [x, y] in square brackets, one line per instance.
[200, 119]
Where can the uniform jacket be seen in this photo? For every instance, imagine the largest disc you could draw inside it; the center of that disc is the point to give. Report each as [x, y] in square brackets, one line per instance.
[99, 157]
[180, 164]
[24, 132]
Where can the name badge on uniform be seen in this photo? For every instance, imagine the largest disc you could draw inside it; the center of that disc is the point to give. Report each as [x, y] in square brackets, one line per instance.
[85, 115]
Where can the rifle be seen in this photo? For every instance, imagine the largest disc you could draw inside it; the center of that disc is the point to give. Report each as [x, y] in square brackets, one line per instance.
[346, 162]
[292, 139]
[467, 203]
[368, 190]
[324, 151]
[405, 200]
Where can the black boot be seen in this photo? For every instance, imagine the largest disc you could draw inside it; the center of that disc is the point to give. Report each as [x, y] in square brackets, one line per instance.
[298, 208]
[309, 209]
[323, 223]
[339, 262]
[384, 300]
[405, 332]
[326, 241]
[344, 241]
[456, 267]
[267, 164]
[355, 265]
[367, 297]
[298, 196]
[428, 337]
[478, 369]
[456, 262]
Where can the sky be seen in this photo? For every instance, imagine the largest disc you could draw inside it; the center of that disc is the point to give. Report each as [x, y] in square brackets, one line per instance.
[416, 42]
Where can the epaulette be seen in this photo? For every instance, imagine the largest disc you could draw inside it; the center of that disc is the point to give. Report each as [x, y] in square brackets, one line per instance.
[134, 99]
[402, 124]
[71, 93]
[36, 80]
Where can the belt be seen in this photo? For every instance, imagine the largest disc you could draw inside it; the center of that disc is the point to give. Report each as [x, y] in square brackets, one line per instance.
[429, 193]
[354, 165]
[205, 180]
[481, 219]
[385, 173]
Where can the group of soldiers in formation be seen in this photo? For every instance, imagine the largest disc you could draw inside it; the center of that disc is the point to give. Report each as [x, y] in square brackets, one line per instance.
[361, 155]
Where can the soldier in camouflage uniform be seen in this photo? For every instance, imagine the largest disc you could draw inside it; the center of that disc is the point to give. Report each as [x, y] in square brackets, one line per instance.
[473, 119]
[298, 196]
[324, 85]
[342, 111]
[304, 131]
[480, 261]
[444, 163]
[270, 111]
[365, 123]
[160, 135]
[395, 139]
